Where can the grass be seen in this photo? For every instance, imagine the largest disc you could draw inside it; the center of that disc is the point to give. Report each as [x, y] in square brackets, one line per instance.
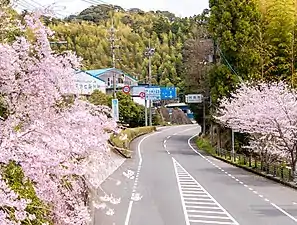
[123, 144]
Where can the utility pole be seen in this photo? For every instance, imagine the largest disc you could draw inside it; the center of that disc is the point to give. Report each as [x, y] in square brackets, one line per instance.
[145, 108]
[112, 40]
[211, 103]
[150, 84]
[149, 53]
[292, 63]
[204, 124]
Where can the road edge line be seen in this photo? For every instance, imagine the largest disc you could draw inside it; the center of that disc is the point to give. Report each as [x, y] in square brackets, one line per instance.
[271, 203]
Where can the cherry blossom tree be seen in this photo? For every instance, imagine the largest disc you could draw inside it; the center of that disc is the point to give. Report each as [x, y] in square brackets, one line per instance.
[265, 109]
[60, 147]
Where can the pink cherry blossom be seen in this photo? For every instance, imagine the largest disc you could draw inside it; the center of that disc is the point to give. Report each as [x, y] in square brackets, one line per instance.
[60, 149]
[267, 110]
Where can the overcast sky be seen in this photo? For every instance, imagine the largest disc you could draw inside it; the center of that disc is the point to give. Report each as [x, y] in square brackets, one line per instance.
[180, 8]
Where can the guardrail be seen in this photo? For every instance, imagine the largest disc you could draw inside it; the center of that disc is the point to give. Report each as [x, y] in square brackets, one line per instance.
[277, 170]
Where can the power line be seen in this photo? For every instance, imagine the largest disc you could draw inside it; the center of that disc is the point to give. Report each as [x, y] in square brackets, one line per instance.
[228, 64]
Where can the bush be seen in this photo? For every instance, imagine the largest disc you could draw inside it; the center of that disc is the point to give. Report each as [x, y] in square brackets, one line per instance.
[98, 98]
[130, 134]
[205, 145]
[130, 112]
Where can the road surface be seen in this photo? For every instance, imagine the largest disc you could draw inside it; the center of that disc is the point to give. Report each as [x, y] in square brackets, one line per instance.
[176, 184]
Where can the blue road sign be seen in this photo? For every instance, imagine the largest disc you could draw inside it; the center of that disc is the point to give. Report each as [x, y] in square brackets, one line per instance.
[160, 93]
[168, 93]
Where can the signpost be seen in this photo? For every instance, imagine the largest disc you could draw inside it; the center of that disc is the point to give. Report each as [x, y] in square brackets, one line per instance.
[194, 98]
[153, 93]
[142, 95]
[156, 93]
[126, 89]
[168, 93]
[160, 93]
[115, 109]
[197, 98]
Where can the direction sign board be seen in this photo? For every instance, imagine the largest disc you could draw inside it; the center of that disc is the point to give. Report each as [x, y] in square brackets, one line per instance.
[160, 93]
[194, 98]
[115, 109]
[168, 93]
[153, 93]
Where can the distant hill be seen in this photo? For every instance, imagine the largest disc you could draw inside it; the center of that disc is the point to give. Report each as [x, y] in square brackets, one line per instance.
[88, 35]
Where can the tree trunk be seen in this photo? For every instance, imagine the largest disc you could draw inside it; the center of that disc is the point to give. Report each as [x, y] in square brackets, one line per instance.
[219, 136]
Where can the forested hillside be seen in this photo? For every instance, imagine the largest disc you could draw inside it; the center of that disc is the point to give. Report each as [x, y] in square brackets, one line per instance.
[256, 41]
[88, 34]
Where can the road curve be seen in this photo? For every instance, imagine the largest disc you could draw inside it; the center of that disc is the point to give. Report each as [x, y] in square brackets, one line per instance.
[176, 184]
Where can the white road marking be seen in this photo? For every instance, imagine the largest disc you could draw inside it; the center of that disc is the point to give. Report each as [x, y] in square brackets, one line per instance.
[196, 209]
[284, 212]
[240, 182]
[196, 127]
[136, 180]
[140, 165]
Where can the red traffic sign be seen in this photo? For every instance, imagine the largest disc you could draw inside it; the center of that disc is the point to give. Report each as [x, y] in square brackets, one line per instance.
[142, 94]
[126, 89]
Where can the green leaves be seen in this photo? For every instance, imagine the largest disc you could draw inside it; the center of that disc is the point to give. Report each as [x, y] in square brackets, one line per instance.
[130, 112]
[14, 177]
[99, 98]
[135, 29]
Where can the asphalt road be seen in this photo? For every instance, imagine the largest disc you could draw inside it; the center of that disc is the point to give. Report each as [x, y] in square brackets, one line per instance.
[176, 184]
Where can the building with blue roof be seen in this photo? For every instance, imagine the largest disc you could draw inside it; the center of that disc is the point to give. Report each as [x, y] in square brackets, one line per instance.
[86, 84]
[121, 78]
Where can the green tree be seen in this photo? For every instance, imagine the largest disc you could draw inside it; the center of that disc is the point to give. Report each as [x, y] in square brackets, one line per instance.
[130, 112]
[99, 98]
[86, 35]
[233, 25]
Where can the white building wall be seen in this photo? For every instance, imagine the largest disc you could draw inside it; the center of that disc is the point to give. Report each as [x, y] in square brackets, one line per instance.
[86, 84]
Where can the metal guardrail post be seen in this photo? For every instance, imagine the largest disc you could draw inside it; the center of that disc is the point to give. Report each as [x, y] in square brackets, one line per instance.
[274, 170]
[282, 173]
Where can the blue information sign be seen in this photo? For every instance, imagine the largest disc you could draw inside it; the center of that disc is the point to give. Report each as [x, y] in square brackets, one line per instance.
[160, 93]
[168, 93]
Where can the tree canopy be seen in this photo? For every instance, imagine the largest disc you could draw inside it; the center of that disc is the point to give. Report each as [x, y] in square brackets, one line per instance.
[88, 35]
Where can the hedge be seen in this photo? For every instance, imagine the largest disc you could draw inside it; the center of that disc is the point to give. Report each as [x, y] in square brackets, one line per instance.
[123, 146]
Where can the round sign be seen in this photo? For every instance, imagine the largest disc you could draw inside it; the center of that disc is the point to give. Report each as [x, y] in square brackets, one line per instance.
[142, 95]
[126, 89]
